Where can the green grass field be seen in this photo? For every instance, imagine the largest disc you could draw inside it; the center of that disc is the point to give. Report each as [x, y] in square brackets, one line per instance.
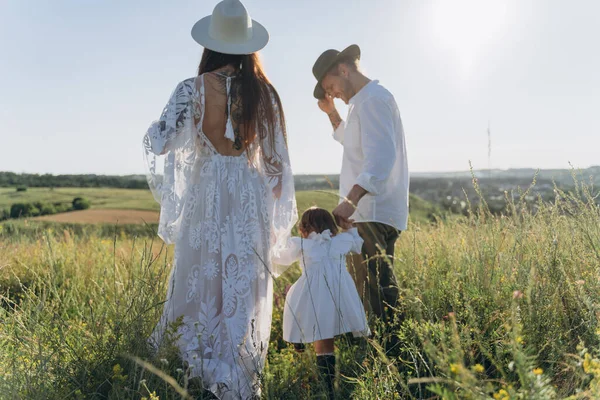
[130, 199]
[491, 308]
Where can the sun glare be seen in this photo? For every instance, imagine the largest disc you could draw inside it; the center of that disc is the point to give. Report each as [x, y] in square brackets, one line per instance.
[465, 27]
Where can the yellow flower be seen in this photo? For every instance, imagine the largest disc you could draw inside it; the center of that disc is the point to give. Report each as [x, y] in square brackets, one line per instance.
[478, 368]
[118, 373]
[538, 371]
[501, 395]
[586, 363]
[454, 368]
[519, 339]
[591, 365]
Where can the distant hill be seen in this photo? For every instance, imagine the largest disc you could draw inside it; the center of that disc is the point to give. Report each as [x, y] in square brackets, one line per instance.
[521, 173]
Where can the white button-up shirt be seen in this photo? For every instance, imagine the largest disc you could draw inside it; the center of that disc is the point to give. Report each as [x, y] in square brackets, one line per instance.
[375, 157]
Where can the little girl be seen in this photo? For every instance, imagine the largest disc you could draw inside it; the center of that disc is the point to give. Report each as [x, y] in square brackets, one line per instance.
[324, 302]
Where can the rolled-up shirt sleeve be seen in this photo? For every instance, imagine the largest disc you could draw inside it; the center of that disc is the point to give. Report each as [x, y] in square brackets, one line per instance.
[338, 133]
[378, 141]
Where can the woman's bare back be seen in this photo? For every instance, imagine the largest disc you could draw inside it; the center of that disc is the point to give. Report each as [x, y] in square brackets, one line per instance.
[216, 111]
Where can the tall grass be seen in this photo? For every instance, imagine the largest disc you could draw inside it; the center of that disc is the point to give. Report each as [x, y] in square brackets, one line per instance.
[502, 307]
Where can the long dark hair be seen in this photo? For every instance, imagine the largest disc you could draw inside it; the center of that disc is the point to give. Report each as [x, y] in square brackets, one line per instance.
[256, 93]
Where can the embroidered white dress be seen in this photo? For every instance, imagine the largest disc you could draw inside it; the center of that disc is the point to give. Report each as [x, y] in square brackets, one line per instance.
[323, 302]
[227, 216]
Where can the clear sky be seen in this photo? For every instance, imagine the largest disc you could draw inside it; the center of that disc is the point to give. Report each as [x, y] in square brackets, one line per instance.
[81, 80]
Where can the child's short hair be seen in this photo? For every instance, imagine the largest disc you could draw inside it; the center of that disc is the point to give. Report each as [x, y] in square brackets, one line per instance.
[317, 220]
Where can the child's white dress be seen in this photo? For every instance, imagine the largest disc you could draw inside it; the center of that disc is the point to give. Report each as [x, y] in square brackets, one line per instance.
[324, 302]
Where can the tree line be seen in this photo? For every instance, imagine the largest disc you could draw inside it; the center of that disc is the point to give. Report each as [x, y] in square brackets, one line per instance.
[11, 179]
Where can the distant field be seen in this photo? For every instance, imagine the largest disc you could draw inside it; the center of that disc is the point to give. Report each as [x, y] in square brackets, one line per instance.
[104, 198]
[127, 206]
[135, 214]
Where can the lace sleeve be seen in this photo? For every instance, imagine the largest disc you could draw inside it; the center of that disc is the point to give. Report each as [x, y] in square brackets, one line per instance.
[289, 253]
[281, 196]
[170, 142]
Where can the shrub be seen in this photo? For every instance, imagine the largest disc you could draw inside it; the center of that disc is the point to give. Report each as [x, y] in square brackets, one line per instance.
[23, 210]
[80, 203]
[21, 188]
[4, 214]
[61, 207]
[47, 209]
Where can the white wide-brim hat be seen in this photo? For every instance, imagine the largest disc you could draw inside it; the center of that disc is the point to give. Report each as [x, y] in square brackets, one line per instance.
[230, 30]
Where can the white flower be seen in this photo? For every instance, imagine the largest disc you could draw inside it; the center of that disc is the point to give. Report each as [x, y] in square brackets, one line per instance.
[196, 237]
[210, 269]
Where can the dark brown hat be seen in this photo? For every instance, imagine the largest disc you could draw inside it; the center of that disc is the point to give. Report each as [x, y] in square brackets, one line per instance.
[327, 60]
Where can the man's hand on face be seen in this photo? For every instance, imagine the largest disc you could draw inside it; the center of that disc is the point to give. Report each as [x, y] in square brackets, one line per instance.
[342, 214]
[326, 104]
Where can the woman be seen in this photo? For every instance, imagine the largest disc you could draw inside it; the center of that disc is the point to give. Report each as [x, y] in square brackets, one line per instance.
[227, 203]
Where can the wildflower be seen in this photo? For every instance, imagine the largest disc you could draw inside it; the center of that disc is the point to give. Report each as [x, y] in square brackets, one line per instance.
[478, 368]
[117, 369]
[591, 365]
[118, 373]
[454, 368]
[517, 294]
[586, 363]
[538, 371]
[501, 395]
[519, 339]
[164, 361]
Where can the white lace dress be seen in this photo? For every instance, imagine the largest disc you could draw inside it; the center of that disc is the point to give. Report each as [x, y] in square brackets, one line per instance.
[227, 216]
[323, 303]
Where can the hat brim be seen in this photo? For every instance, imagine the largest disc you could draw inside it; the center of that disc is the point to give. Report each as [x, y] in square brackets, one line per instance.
[352, 51]
[260, 38]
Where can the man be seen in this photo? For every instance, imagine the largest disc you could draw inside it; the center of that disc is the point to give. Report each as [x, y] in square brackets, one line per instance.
[374, 179]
